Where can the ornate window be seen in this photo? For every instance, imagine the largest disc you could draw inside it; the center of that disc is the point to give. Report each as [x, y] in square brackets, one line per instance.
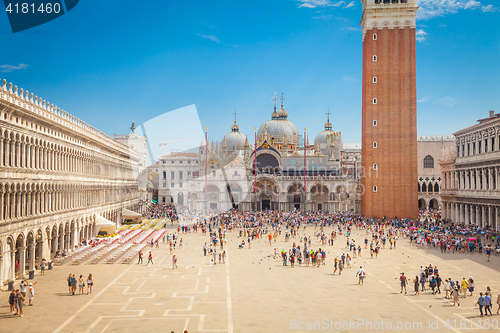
[428, 162]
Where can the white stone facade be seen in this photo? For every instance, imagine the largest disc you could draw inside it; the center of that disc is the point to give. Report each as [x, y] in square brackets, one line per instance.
[56, 174]
[392, 14]
[430, 151]
[471, 191]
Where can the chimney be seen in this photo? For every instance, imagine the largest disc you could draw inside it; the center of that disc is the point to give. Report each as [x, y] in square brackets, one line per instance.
[492, 114]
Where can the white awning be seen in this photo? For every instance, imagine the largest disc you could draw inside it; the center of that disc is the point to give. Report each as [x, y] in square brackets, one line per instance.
[103, 222]
[129, 213]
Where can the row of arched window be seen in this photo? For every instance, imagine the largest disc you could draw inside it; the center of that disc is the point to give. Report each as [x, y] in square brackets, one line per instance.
[23, 151]
[30, 199]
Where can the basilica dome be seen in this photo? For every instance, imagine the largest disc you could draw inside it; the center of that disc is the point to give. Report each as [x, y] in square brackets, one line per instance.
[277, 130]
[321, 143]
[235, 140]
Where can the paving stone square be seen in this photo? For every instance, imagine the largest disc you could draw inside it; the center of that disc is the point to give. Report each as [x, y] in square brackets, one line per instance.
[253, 292]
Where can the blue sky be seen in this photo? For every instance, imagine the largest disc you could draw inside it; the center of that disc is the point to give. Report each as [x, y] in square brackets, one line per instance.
[114, 61]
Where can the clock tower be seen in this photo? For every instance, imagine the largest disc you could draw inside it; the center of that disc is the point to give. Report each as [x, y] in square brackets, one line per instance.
[389, 109]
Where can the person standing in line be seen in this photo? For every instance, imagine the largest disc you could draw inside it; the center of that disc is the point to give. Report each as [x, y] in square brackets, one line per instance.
[150, 258]
[81, 284]
[487, 304]
[361, 275]
[174, 261]
[402, 279]
[416, 284]
[90, 283]
[42, 266]
[140, 258]
[480, 302]
[31, 293]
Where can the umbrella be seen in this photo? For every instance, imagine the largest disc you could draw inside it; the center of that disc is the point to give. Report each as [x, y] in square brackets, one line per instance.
[472, 239]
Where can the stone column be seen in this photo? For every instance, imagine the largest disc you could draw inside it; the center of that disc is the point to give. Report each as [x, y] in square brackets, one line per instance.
[7, 152]
[467, 187]
[490, 181]
[483, 217]
[31, 259]
[466, 209]
[46, 248]
[1, 155]
[12, 273]
[496, 219]
[22, 261]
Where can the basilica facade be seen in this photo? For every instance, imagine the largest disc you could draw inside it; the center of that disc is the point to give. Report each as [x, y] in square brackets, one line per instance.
[276, 171]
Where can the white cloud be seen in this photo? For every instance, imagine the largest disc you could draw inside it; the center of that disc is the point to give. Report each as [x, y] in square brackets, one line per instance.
[447, 101]
[435, 8]
[351, 4]
[350, 79]
[489, 8]
[211, 37]
[10, 68]
[420, 35]
[324, 3]
[323, 17]
[425, 99]
[351, 29]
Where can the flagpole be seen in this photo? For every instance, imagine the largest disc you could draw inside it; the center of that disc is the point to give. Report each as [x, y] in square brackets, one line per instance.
[255, 169]
[206, 166]
[305, 191]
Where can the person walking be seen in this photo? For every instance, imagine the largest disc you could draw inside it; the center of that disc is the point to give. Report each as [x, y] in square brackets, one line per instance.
[42, 266]
[335, 264]
[150, 258]
[447, 288]
[81, 285]
[471, 285]
[140, 258]
[416, 284]
[31, 293]
[403, 281]
[361, 275]
[73, 284]
[205, 249]
[465, 287]
[341, 267]
[90, 283]
[174, 261]
[480, 302]
[487, 304]
[456, 293]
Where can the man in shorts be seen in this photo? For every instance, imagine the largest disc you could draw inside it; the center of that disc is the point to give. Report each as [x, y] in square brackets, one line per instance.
[361, 275]
[403, 281]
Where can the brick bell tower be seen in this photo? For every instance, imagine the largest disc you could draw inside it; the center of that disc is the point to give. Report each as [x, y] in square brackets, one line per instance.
[389, 120]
